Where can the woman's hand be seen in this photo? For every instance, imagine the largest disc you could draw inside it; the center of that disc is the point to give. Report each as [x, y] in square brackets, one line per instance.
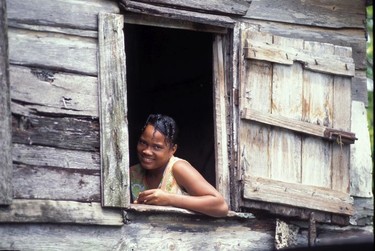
[153, 197]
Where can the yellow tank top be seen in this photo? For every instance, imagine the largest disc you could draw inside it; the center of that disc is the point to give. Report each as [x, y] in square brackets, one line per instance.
[168, 183]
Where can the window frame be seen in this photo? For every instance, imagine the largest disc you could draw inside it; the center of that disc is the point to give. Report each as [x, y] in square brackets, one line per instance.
[114, 147]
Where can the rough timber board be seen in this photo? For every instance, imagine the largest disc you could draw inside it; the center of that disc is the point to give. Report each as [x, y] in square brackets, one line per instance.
[231, 7]
[331, 13]
[63, 93]
[44, 50]
[5, 118]
[75, 14]
[50, 211]
[114, 149]
[144, 232]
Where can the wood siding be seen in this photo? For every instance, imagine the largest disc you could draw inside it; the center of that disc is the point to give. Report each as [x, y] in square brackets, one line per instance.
[6, 192]
[55, 116]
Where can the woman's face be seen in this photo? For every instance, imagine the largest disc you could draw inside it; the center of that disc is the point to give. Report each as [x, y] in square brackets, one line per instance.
[153, 151]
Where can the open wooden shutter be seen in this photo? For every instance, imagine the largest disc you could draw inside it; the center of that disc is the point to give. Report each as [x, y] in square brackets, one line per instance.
[114, 149]
[295, 100]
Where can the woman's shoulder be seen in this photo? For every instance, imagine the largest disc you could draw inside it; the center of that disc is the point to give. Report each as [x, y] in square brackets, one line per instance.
[181, 165]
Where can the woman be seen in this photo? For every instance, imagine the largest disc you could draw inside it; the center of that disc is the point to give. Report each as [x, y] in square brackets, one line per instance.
[162, 179]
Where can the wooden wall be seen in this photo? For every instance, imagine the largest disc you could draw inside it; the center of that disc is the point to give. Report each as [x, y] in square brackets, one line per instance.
[55, 131]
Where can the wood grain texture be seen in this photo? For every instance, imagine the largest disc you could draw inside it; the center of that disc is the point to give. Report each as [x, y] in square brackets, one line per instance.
[221, 148]
[63, 93]
[184, 15]
[299, 195]
[52, 211]
[5, 115]
[114, 149]
[226, 7]
[330, 14]
[57, 52]
[69, 14]
[55, 183]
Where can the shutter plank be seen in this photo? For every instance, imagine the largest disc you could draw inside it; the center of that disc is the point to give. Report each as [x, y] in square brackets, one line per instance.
[286, 102]
[317, 109]
[255, 93]
[297, 126]
[114, 148]
[319, 63]
[341, 109]
[298, 195]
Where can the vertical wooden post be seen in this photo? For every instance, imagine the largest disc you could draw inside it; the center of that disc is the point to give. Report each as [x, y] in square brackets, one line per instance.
[114, 150]
[5, 114]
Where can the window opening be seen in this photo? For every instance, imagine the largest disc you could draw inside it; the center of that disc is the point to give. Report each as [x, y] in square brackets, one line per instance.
[169, 71]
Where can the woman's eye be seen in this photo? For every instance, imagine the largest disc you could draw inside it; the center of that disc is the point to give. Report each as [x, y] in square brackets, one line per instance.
[157, 148]
[141, 142]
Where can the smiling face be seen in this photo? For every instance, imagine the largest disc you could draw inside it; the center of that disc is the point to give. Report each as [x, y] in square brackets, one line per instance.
[153, 150]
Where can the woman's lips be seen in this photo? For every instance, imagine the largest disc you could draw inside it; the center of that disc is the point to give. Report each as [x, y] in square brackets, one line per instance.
[146, 159]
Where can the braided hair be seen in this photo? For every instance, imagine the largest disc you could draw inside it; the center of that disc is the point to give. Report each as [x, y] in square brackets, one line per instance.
[165, 125]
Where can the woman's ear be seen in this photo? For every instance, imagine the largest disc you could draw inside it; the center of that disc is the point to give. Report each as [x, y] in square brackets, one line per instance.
[174, 149]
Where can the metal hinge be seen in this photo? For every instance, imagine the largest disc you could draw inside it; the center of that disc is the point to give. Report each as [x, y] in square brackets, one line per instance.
[341, 137]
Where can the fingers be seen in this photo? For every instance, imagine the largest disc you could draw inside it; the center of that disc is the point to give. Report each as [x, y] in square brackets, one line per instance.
[145, 197]
[150, 197]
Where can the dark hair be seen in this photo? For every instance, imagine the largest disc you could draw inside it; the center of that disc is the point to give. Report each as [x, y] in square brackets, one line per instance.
[165, 125]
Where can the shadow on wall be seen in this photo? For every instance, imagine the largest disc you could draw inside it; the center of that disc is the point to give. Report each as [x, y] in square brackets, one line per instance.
[356, 246]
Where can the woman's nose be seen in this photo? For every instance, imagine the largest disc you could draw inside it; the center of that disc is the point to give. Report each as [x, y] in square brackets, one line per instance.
[147, 150]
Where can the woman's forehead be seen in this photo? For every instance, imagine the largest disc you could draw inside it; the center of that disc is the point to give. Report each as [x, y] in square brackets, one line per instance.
[151, 134]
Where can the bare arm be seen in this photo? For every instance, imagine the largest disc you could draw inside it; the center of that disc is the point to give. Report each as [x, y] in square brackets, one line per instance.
[203, 197]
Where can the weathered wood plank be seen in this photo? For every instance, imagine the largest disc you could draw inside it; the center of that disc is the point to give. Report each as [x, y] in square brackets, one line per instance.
[256, 88]
[57, 30]
[156, 231]
[114, 149]
[286, 100]
[5, 115]
[314, 62]
[298, 195]
[171, 13]
[63, 93]
[221, 148]
[318, 109]
[55, 157]
[75, 14]
[231, 7]
[53, 51]
[295, 125]
[341, 118]
[331, 13]
[41, 182]
[354, 38]
[359, 87]
[141, 19]
[361, 163]
[67, 133]
[50, 211]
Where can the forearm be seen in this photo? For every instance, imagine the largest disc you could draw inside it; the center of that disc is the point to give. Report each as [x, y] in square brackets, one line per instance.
[208, 204]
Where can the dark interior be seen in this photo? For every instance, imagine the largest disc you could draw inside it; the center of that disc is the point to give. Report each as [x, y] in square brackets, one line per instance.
[169, 71]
